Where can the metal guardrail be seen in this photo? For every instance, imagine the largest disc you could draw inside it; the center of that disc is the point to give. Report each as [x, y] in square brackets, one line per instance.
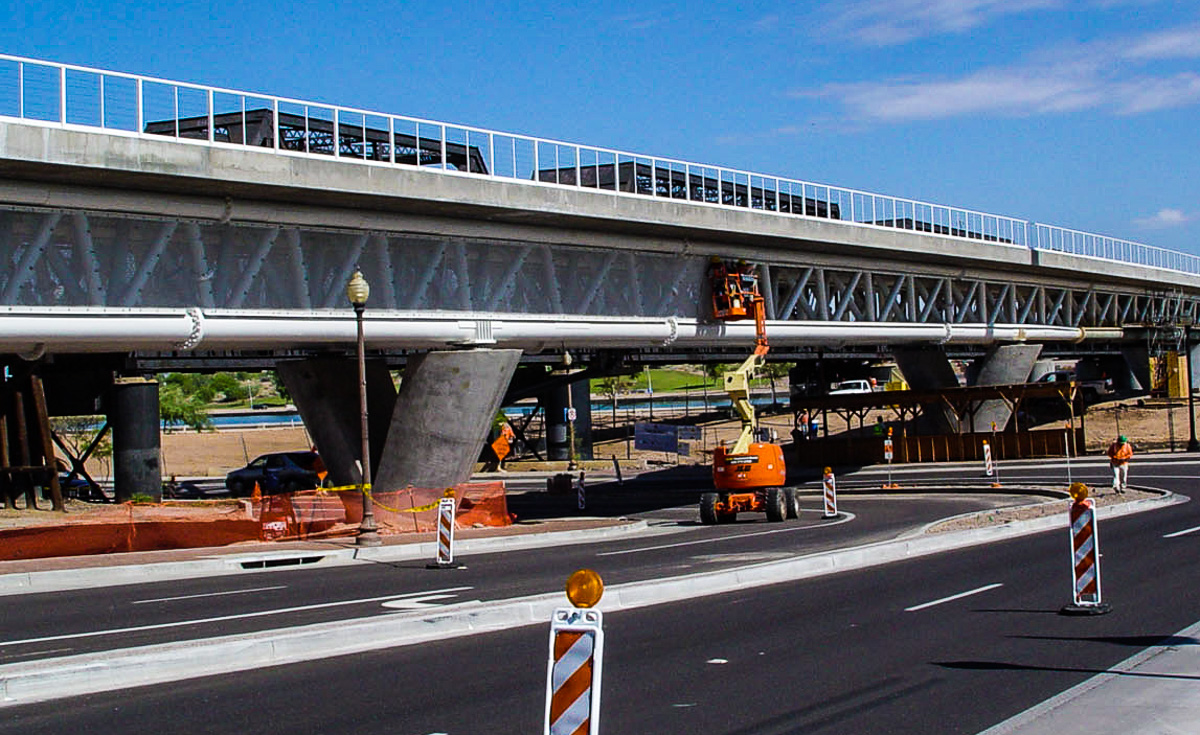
[80, 97]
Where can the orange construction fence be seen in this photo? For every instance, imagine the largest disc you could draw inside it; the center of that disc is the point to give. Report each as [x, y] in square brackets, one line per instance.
[308, 514]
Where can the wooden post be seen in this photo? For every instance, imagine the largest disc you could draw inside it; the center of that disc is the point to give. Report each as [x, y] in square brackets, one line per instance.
[8, 495]
[23, 457]
[43, 419]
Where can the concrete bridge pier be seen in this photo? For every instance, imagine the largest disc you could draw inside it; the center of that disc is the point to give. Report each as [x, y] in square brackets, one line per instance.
[442, 417]
[1002, 365]
[558, 443]
[928, 368]
[1132, 376]
[325, 391]
[133, 414]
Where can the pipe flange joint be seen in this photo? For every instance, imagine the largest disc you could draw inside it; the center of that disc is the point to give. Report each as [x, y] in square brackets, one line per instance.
[674, 333]
[197, 333]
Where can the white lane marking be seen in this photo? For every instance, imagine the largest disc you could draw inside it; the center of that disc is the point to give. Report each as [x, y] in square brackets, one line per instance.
[1168, 477]
[211, 594]
[951, 598]
[416, 603]
[1184, 532]
[848, 517]
[222, 618]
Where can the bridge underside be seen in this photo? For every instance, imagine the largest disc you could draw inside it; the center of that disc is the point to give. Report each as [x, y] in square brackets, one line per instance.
[71, 259]
[157, 290]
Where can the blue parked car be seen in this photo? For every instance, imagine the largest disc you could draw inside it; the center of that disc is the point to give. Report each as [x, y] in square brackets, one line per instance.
[275, 473]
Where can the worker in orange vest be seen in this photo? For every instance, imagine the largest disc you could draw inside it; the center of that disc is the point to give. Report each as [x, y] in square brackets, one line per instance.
[1119, 454]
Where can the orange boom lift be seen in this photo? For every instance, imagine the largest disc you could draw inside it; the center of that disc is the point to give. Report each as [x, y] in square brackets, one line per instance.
[748, 476]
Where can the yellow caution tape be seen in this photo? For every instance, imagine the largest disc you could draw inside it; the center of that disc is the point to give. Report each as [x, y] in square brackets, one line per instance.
[367, 491]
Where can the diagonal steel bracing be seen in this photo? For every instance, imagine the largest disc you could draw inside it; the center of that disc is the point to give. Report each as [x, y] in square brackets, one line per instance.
[86, 259]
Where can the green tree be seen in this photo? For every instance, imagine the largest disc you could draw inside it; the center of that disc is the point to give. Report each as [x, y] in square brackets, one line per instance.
[78, 432]
[775, 371]
[227, 386]
[715, 371]
[612, 386]
[280, 389]
[191, 384]
[176, 408]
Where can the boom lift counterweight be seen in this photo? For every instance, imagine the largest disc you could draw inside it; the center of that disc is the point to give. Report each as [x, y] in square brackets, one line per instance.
[748, 476]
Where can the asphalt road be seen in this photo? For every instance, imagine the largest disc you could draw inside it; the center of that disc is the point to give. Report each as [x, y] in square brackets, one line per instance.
[65, 623]
[953, 642]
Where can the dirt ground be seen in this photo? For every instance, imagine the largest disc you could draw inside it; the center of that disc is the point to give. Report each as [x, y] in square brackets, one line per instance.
[213, 454]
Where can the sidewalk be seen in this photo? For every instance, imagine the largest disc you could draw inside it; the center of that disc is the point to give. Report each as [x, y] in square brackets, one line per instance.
[1155, 691]
[102, 570]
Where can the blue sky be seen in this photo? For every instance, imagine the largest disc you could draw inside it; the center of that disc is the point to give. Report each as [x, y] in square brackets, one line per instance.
[1080, 114]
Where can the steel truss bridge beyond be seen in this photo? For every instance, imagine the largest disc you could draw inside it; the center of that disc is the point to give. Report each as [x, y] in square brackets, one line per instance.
[88, 278]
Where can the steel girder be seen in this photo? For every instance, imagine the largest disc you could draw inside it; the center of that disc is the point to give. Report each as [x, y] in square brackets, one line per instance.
[857, 295]
[85, 259]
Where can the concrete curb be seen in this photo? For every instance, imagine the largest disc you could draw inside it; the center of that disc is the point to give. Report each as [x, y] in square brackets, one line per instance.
[24, 683]
[59, 580]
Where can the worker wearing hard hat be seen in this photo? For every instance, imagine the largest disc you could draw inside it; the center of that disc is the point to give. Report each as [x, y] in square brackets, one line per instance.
[1119, 454]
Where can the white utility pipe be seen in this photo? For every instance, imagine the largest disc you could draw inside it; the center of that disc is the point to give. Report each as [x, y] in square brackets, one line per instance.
[31, 330]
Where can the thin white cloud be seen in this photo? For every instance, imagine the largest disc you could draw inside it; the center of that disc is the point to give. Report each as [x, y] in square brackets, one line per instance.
[1180, 43]
[1165, 219]
[1111, 76]
[892, 22]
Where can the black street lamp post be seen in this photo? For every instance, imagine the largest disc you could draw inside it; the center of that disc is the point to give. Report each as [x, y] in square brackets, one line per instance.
[358, 291]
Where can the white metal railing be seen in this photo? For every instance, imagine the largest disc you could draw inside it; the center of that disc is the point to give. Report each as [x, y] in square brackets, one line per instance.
[74, 96]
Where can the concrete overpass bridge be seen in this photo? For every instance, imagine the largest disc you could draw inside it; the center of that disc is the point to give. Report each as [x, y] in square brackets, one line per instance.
[164, 224]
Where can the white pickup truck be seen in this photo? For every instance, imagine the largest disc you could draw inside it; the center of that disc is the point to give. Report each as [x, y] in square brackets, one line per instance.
[846, 387]
[1091, 390]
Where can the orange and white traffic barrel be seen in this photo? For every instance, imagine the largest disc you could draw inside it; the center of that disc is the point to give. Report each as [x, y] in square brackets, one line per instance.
[1085, 556]
[830, 494]
[990, 468]
[576, 659]
[445, 535]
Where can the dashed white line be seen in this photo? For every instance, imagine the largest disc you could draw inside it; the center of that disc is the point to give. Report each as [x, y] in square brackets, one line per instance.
[211, 594]
[951, 598]
[847, 518]
[1184, 532]
[222, 618]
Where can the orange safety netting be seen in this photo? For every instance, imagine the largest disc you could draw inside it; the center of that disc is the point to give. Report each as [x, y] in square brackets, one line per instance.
[415, 509]
[302, 515]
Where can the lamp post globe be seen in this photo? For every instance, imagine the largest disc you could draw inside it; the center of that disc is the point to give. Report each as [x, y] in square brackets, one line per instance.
[357, 292]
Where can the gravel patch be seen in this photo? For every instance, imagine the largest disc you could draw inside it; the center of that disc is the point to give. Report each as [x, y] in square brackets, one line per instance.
[1037, 508]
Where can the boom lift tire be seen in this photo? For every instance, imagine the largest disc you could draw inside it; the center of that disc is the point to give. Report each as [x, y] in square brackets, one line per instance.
[708, 509]
[793, 502]
[776, 505]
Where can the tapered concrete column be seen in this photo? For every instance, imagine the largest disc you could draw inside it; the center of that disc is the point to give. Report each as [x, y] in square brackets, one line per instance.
[445, 408]
[1002, 365]
[133, 413]
[929, 369]
[1040, 368]
[1136, 376]
[557, 431]
[325, 391]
